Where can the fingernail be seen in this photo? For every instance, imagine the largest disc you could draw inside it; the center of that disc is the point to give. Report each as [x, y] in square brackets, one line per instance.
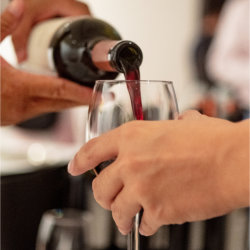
[141, 231]
[16, 7]
[70, 165]
[123, 232]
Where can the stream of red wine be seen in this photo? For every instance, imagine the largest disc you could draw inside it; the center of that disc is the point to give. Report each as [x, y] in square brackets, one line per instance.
[132, 76]
[134, 91]
[133, 86]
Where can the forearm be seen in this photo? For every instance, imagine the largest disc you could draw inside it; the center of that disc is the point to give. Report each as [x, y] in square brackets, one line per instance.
[236, 162]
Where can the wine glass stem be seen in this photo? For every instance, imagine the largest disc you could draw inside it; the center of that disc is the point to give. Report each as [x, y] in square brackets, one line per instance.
[133, 242]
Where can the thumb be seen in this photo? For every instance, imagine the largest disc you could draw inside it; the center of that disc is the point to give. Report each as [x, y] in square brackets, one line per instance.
[10, 17]
[73, 9]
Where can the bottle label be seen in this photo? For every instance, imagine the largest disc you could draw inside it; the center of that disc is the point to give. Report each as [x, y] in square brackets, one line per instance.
[51, 64]
[40, 54]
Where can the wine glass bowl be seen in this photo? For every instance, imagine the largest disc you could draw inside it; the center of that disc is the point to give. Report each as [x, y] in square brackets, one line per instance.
[111, 104]
[115, 102]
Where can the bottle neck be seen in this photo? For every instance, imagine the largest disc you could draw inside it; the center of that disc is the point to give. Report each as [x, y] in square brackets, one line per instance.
[100, 55]
[110, 55]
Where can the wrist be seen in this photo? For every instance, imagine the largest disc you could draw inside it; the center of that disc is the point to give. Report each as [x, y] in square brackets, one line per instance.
[235, 164]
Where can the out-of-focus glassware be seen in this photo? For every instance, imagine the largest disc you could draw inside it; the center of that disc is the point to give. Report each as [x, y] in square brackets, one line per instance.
[64, 230]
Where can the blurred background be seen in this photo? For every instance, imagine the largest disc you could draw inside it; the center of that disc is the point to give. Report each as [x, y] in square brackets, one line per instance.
[175, 37]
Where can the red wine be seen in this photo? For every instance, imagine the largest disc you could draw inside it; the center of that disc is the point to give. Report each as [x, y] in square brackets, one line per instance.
[135, 98]
[126, 57]
[134, 92]
[129, 61]
[132, 76]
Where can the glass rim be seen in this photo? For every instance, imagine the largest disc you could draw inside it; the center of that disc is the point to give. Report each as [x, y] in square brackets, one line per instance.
[135, 81]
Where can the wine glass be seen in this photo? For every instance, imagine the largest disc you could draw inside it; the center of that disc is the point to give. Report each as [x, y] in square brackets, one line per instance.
[115, 102]
[65, 229]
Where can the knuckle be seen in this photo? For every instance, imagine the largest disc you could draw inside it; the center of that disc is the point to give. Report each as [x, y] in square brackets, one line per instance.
[116, 214]
[60, 90]
[147, 228]
[139, 191]
[122, 223]
[131, 167]
[127, 166]
[129, 129]
[98, 194]
[156, 211]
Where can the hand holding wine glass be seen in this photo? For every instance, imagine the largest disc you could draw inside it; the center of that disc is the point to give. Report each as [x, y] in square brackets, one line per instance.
[117, 102]
[187, 170]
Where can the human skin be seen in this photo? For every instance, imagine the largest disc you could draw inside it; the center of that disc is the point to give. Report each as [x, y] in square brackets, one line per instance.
[38, 10]
[177, 171]
[25, 95]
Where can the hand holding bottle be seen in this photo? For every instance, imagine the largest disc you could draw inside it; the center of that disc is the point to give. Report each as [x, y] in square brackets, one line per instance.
[177, 171]
[25, 95]
[38, 10]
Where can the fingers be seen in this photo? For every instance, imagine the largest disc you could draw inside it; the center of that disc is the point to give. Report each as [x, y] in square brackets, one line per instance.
[95, 151]
[110, 193]
[10, 17]
[73, 8]
[124, 209]
[148, 225]
[36, 13]
[42, 105]
[56, 88]
[107, 185]
[38, 106]
[20, 37]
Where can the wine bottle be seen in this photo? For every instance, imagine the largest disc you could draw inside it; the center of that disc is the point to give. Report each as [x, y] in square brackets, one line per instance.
[82, 49]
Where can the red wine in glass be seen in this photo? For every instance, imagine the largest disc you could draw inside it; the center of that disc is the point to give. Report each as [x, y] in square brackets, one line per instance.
[128, 62]
[126, 58]
[135, 93]
[132, 76]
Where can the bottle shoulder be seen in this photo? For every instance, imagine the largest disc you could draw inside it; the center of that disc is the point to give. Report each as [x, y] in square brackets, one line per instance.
[84, 29]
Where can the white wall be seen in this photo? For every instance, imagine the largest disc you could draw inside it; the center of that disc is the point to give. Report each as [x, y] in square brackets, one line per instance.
[165, 30]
